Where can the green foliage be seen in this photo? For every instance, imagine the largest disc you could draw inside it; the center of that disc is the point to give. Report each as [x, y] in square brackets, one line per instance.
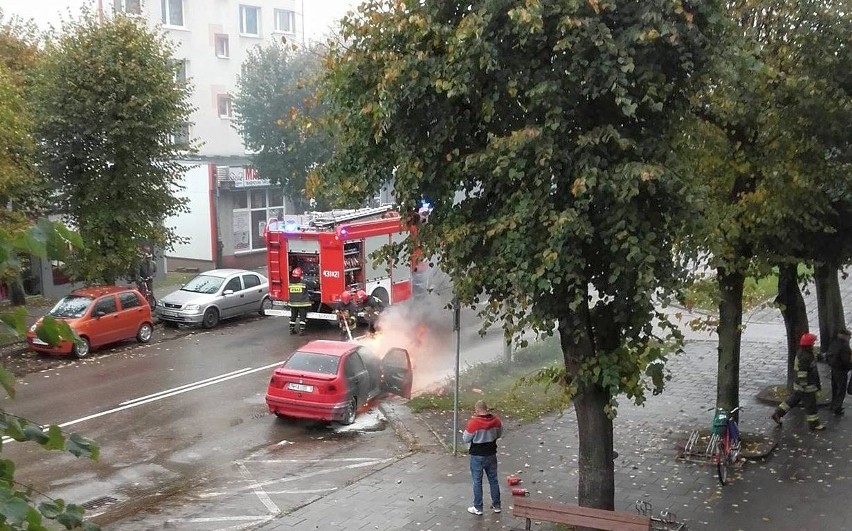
[276, 112]
[18, 509]
[107, 105]
[500, 380]
[539, 131]
[703, 293]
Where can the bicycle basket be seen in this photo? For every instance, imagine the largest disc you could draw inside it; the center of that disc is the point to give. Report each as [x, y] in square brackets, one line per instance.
[720, 421]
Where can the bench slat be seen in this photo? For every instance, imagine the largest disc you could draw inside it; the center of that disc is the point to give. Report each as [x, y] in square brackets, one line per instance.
[579, 516]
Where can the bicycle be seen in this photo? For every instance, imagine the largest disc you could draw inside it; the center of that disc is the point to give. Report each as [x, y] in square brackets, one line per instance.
[142, 284]
[724, 442]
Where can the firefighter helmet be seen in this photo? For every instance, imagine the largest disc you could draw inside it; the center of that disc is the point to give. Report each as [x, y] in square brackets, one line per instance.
[297, 272]
[346, 297]
[360, 296]
[807, 340]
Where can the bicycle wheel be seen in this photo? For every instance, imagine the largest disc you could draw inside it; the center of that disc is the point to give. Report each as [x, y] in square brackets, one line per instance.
[723, 458]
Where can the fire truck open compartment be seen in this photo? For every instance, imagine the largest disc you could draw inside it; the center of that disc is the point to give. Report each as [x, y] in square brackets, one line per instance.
[333, 251]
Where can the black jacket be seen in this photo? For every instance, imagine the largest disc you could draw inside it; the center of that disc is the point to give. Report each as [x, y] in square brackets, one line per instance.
[839, 355]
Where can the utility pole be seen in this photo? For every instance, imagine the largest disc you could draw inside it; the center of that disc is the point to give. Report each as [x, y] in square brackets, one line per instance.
[100, 11]
[457, 329]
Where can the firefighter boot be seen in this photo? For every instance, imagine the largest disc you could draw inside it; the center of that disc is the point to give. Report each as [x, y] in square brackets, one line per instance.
[816, 425]
[776, 417]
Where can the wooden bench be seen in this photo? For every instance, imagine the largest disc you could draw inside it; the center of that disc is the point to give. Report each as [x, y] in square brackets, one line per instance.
[559, 513]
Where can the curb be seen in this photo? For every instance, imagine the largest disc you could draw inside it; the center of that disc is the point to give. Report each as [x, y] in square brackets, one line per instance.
[416, 440]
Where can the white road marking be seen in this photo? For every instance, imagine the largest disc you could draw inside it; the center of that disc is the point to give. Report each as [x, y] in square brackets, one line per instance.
[303, 491]
[248, 525]
[218, 519]
[183, 386]
[318, 473]
[198, 385]
[324, 460]
[166, 394]
[258, 490]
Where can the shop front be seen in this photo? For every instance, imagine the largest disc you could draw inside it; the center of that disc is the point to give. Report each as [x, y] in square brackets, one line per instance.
[244, 204]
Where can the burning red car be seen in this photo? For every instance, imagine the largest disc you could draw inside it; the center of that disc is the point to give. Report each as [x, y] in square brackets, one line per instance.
[329, 380]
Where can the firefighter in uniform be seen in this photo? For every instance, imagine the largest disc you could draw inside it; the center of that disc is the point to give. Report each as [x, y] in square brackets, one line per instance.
[299, 302]
[371, 306]
[346, 314]
[806, 386]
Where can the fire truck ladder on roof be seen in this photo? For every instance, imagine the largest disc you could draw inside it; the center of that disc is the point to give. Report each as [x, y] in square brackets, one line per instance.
[327, 220]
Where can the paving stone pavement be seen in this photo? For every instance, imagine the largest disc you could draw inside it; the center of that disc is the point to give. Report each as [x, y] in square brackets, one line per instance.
[804, 484]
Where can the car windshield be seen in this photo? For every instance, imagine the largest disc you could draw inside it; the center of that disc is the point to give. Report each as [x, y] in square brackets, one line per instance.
[312, 362]
[203, 284]
[71, 306]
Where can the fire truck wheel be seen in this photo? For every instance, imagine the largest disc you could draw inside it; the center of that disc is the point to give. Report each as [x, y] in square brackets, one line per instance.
[382, 295]
[211, 318]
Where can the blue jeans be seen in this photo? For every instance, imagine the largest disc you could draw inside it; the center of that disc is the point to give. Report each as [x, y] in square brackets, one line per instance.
[487, 464]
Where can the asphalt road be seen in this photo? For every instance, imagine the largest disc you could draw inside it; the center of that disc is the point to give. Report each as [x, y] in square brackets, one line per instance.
[186, 440]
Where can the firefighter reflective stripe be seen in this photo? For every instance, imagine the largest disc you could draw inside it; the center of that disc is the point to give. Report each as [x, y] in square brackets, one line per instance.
[812, 418]
[784, 407]
[802, 374]
[298, 295]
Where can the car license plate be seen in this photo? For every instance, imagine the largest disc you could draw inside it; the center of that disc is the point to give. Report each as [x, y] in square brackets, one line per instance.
[168, 313]
[37, 341]
[300, 387]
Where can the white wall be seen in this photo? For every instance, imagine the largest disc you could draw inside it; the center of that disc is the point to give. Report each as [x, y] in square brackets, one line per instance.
[211, 75]
[195, 224]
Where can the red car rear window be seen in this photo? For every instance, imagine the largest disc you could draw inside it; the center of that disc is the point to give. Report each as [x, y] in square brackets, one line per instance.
[312, 362]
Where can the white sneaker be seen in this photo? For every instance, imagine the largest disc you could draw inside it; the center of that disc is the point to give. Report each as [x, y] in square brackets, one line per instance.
[474, 510]
[496, 509]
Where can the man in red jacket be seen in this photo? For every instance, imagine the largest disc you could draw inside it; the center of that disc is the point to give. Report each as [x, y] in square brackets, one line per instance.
[482, 432]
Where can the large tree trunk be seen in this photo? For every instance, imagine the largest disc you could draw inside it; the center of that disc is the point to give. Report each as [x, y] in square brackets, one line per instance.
[829, 303]
[793, 310]
[730, 334]
[596, 486]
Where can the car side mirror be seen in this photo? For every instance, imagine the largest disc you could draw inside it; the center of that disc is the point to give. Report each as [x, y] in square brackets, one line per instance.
[100, 313]
[228, 292]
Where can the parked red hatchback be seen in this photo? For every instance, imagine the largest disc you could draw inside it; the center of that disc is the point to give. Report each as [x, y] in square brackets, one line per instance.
[99, 316]
[329, 380]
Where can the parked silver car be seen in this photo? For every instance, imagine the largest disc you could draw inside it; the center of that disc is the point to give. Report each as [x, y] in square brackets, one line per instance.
[215, 295]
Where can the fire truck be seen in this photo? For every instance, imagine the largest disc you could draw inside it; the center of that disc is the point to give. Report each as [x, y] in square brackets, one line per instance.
[333, 250]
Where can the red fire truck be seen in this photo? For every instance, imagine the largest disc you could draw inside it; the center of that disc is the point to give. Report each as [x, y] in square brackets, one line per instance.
[333, 250]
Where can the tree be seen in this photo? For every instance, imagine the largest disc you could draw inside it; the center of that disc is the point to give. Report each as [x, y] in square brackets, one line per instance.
[276, 111]
[538, 131]
[757, 154]
[107, 107]
[24, 192]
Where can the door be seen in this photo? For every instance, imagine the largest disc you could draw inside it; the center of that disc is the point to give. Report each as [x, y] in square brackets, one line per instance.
[104, 322]
[131, 314]
[396, 370]
[232, 297]
[253, 292]
[357, 377]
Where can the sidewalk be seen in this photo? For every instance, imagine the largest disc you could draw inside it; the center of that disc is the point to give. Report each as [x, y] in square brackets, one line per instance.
[801, 485]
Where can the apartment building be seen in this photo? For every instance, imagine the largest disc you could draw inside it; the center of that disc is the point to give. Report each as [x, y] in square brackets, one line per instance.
[229, 205]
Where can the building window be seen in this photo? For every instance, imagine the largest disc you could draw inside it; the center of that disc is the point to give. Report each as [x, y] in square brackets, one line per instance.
[131, 7]
[250, 20]
[223, 48]
[181, 136]
[285, 21]
[223, 102]
[172, 12]
[250, 219]
[180, 71]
